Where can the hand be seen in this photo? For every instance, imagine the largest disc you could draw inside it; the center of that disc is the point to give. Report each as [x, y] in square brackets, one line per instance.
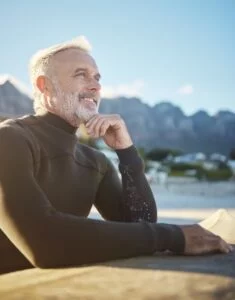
[201, 241]
[112, 128]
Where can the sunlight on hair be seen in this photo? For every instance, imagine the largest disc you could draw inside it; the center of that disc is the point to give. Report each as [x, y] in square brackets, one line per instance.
[40, 62]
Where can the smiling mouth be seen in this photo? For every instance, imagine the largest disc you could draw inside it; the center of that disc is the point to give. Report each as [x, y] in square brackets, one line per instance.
[91, 100]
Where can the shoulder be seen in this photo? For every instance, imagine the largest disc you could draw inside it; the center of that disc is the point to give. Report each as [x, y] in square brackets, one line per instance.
[13, 135]
[10, 129]
[17, 126]
[16, 153]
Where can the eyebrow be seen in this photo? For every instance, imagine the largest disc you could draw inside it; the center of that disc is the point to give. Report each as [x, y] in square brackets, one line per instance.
[97, 75]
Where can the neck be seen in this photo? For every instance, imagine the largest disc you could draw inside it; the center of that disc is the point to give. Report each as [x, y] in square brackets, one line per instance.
[56, 120]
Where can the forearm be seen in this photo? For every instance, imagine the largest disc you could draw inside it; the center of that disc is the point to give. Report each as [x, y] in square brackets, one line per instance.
[85, 241]
[64, 240]
[138, 202]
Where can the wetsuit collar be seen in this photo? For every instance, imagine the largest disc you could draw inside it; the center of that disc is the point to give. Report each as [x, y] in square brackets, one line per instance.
[56, 121]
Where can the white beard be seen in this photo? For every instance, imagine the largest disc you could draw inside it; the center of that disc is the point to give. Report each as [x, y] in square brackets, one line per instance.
[70, 107]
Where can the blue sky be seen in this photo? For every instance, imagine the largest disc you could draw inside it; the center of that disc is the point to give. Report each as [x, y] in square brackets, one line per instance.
[181, 51]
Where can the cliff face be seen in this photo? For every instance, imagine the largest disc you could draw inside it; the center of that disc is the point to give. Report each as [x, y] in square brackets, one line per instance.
[14, 101]
[165, 125]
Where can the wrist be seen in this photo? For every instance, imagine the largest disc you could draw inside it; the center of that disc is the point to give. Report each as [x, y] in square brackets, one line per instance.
[130, 160]
[169, 237]
[129, 156]
[124, 142]
[123, 146]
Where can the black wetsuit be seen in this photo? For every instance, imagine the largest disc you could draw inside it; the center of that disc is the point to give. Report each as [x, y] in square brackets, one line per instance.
[48, 184]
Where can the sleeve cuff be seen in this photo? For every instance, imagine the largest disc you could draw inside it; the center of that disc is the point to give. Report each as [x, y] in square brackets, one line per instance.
[130, 157]
[169, 237]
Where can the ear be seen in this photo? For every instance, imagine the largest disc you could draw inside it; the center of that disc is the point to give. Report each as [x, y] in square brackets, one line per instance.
[44, 85]
[40, 82]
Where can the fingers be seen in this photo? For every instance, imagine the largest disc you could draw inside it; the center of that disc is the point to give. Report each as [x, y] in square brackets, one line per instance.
[99, 124]
[111, 128]
[225, 247]
[217, 243]
[214, 243]
[201, 241]
[90, 125]
[98, 127]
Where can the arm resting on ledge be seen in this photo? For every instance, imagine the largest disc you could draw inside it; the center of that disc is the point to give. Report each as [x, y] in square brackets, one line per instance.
[48, 238]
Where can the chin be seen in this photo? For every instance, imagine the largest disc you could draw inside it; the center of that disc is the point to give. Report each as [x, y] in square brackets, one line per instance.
[86, 115]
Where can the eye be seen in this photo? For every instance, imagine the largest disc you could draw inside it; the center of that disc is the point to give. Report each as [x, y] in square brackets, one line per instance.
[80, 74]
[97, 78]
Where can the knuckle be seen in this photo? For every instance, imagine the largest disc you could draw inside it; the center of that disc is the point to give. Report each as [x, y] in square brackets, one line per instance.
[218, 238]
[222, 242]
[103, 126]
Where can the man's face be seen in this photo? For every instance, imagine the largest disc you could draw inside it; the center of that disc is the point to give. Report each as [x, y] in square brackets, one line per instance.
[77, 89]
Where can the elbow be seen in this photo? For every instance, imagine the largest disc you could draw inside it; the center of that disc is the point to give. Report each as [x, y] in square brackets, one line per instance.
[53, 258]
[41, 261]
[43, 256]
[54, 261]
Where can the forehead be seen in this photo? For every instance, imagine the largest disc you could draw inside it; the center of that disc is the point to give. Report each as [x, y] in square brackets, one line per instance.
[70, 59]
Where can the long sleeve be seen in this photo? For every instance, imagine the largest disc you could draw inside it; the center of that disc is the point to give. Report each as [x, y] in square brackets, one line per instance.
[130, 200]
[138, 199]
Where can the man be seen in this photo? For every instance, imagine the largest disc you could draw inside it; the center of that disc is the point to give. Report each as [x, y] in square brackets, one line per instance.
[49, 182]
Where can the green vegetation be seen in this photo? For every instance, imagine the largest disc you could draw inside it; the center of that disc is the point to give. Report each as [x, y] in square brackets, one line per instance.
[178, 173]
[184, 166]
[215, 175]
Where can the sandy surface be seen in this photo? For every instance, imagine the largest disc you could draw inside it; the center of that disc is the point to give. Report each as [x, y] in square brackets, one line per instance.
[148, 278]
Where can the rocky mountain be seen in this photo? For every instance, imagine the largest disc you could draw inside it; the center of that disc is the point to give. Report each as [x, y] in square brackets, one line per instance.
[15, 100]
[163, 125]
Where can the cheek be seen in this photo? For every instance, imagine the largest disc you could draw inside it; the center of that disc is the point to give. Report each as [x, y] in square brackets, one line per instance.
[77, 86]
[72, 86]
[72, 104]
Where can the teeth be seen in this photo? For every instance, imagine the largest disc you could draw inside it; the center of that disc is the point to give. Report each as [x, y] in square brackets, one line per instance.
[89, 99]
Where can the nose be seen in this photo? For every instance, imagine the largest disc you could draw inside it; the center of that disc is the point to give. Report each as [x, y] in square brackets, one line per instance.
[94, 86]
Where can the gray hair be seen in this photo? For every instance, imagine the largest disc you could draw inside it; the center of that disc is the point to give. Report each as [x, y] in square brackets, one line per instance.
[40, 63]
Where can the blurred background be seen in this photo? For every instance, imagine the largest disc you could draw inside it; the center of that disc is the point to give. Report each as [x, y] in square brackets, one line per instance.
[168, 68]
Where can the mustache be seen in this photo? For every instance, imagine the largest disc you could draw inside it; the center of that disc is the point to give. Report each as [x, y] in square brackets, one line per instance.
[88, 95]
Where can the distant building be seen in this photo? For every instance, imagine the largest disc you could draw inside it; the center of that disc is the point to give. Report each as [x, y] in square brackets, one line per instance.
[218, 157]
[189, 158]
